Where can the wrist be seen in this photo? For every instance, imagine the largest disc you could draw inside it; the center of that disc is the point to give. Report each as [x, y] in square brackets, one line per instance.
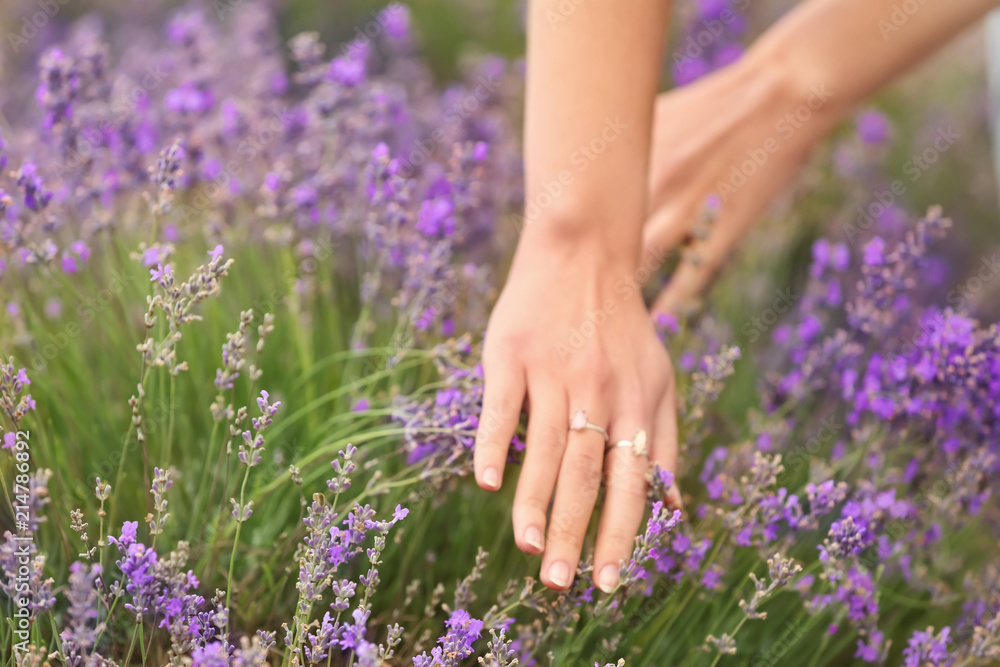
[798, 84]
[600, 219]
[579, 240]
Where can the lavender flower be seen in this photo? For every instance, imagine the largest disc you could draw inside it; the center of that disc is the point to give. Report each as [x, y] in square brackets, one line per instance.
[454, 646]
[82, 626]
[873, 128]
[926, 648]
[12, 402]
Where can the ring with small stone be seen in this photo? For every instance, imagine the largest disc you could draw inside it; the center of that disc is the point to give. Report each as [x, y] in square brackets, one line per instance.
[578, 422]
[637, 444]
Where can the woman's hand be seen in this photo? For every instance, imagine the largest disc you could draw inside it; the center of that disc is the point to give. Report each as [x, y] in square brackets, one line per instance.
[743, 132]
[739, 135]
[571, 332]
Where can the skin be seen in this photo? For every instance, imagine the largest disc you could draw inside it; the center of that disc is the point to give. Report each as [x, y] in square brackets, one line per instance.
[569, 261]
[570, 330]
[800, 61]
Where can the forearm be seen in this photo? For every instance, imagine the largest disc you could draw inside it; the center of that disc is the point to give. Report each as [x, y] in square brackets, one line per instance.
[854, 47]
[591, 83]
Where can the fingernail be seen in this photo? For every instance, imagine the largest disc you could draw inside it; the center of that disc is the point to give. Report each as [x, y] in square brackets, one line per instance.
[533, 536]
[607, 580]
[491, 478]
[559, 574]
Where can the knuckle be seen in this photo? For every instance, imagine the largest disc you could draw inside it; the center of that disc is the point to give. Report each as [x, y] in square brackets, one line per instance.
[531, 506]
[497, 415]
[619, 542]
[594, 369]
[505, 405]
[499, 351]
[585, 462]
[485, 446]
[629, 489]
[666, 449]
[494, 450]
[601, 372]
[632, 394]
[547, 436]
[565, 530]
[625, 474]
[486, 434]
[584, 468]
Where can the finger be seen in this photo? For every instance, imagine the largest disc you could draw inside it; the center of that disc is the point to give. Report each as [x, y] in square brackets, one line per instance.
[688, 281]
[543, 454]
[702, 260]
[503, 396]
[664, 442]
[699, 264]
[624, 500]
[674, 228]
[668, 227]
[576, 493]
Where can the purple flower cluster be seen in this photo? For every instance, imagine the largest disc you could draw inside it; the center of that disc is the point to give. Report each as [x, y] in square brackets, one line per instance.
[13, 401]
[456, 645]
[332, 543]
[893, 362]
[203, 145]
[82, 625]
[712, 38]
[441, 429]
[349, 153]
[22, 564]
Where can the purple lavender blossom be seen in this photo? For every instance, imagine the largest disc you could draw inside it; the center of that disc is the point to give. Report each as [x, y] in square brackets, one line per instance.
[82, 626]
[926, 648]
[873, 127]
[454, 646]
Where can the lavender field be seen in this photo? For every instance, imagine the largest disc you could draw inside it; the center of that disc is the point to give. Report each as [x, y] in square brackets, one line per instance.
[244, 279]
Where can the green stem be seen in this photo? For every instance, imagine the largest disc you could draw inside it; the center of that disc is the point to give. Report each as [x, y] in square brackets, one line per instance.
[295, 309]
[170, 422]
[121, 461]
[152, 636]
[821, 650]
[326, 450]
[236, 542]
[691, 591]
[206, 466]
[346, 355]
[315, 405]
[131, 646]
[718, 654]
[110, 618]
[55, 632]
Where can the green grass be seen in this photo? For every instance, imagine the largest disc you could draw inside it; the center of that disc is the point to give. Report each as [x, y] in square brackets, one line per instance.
[83, 416]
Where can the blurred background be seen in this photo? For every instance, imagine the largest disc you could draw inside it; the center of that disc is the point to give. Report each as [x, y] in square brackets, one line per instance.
[950, 88]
